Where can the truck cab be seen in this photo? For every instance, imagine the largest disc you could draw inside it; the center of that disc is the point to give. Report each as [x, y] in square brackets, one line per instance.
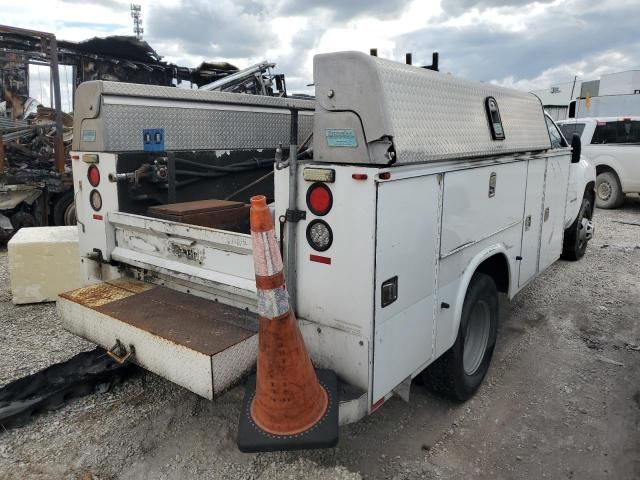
[612, 145]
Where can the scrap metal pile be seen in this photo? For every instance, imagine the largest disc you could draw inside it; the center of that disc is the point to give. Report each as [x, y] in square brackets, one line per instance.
[29, 146]
[35, 170]
[27, 168]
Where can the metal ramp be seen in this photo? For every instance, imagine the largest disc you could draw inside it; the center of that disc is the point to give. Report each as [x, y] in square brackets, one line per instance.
[202, 345]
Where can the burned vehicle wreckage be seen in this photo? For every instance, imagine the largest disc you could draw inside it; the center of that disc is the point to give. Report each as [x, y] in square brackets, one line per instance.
[36, 129]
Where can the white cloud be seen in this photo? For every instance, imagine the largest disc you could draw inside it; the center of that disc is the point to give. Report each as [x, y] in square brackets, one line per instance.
[520, 43]
[589, 68]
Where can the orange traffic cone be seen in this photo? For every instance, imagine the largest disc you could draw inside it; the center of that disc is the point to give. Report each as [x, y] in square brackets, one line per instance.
[288, 399]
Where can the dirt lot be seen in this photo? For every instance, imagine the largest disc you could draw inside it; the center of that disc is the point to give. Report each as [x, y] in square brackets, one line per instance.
[562, 399]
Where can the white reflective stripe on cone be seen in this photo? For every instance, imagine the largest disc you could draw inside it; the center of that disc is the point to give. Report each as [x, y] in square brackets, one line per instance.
[273, 303]
[266, 254]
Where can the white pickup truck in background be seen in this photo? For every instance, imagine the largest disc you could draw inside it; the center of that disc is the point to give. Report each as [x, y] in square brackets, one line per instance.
[612, 145]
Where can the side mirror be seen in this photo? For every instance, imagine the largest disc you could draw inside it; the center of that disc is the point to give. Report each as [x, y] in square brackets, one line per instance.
[576, 148]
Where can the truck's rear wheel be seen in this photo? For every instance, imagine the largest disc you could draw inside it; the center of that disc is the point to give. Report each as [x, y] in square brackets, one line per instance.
[460, 371]
[23, 218]
[608, 191]
[64, 210]
[579, 233]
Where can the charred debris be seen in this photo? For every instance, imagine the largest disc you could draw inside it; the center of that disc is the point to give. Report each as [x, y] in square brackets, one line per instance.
[36, 134]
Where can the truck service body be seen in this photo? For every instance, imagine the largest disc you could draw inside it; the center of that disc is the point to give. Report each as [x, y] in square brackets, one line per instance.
[422, 188]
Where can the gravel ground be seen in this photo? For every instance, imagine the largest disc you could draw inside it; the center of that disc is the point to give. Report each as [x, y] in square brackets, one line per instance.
[562, 399]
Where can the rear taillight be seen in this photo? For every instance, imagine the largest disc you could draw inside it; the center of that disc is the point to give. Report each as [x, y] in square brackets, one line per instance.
[95, 199]
[319, 199]
[93, 175]
[319, 235]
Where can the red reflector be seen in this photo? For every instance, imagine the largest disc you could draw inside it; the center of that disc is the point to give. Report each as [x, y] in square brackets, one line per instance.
[320, 259]
[377, 405]
[384, 176]
[319, 199]
[75, 157]
[93, 175]
[97, 217]
[359, 176]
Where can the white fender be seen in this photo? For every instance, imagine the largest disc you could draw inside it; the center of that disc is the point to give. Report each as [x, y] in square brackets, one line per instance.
[580, 174]
[472, 266]
[613, 163]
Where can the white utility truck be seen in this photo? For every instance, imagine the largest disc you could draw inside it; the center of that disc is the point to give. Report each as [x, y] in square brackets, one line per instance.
[612, 146]
[422, 197]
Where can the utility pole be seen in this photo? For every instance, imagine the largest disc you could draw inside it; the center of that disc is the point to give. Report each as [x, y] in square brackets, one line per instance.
[136, 14]
[55, 76]
[575, 79]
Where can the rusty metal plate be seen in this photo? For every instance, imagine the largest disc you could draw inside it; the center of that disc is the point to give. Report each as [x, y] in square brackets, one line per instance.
[202, 325]
[219, 214]
[191, 208]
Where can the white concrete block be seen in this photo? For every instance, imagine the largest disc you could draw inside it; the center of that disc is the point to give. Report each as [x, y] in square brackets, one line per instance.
[43, 262]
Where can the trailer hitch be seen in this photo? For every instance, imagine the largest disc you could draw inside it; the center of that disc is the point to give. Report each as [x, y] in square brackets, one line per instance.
[119, 353]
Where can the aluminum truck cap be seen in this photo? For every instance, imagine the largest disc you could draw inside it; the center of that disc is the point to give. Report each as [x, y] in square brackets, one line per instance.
[410, 114]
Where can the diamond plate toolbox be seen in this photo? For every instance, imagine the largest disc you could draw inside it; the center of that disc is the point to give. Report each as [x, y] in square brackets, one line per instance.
[429, 116]
[120, 113]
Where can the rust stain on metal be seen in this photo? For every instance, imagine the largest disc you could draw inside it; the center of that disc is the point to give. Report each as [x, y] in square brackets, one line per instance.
[201, 325]
[131, 285]
[97, 295]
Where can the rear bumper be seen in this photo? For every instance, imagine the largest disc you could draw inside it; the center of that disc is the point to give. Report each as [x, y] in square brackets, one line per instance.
[201, 345]
[204, 346]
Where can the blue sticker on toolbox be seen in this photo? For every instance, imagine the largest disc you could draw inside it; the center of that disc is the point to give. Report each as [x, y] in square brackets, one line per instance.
[88, 135]
[153, 139]
[341, 137]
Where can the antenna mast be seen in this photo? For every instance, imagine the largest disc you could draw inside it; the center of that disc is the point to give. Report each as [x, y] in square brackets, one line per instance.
[136, 14]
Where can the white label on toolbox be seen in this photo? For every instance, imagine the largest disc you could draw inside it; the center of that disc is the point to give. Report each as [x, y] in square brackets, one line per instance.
[88, 135]
[341, 137]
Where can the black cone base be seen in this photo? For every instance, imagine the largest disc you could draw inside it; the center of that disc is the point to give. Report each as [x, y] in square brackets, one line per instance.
[324, 434]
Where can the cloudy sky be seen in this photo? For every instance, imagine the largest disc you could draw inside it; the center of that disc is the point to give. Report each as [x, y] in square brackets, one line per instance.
[527, 45]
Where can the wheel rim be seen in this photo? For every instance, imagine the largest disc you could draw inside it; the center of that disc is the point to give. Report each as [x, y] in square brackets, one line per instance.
[476, 337]
[70, 215]
[583, 233]
[604, 191]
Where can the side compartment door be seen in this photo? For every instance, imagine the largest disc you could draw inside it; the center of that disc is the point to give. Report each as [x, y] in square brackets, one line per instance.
[555, 202]
[532, 220]
[407, 243]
